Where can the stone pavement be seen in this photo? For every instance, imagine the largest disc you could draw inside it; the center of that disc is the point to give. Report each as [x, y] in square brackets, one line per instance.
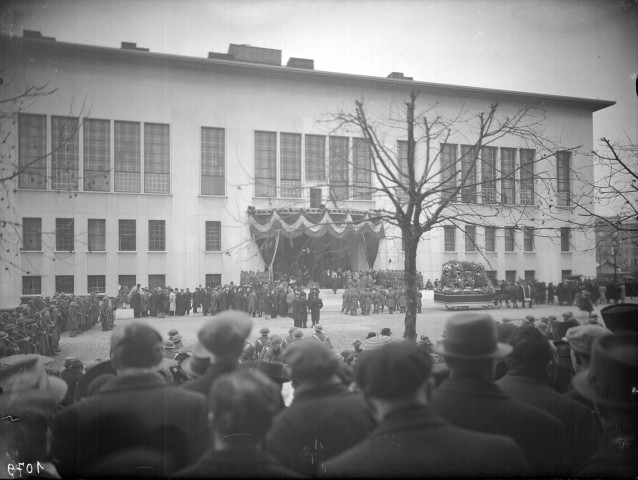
[342, 329]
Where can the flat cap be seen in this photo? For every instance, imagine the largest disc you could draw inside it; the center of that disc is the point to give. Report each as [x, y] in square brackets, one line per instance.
[225, 333]
[310, 360]
[393, 371]
[582, 338]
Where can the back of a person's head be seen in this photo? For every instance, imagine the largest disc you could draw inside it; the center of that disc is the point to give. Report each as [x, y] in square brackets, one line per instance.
[242, 405]
[136, 346]
[532, 351]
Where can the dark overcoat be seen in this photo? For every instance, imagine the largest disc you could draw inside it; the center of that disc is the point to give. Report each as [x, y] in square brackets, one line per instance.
[418, 442]
[484, 407]
[131, 411]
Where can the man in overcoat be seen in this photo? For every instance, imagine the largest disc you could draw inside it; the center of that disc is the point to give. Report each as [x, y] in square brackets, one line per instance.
[412, 440]
[469, 398]
[135, 423]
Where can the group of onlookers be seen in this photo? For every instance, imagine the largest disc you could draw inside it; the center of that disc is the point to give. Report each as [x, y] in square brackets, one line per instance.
[535, 397]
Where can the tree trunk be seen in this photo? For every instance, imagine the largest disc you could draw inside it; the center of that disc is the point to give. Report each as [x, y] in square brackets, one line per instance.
[411, 288]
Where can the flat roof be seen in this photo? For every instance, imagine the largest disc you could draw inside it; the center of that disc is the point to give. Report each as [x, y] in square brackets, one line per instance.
[77, 52]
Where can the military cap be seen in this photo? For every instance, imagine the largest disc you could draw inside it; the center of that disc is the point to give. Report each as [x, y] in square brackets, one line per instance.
[318, 328]
[264, 330]
[168, 345]
[393, 371]
[172, 331]
[292, 329]
[225, 333]
[297, 333]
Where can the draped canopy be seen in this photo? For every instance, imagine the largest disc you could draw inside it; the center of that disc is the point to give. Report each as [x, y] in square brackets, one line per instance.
[314, 222]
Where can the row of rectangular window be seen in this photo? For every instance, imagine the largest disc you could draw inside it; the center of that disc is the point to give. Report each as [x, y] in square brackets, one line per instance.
[32, 285]
[471, 245]
[65, 235]
[96, 155]
[290, 160]
[480, 168]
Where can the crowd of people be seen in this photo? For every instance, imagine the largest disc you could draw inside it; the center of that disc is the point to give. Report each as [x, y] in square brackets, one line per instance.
[528, 397]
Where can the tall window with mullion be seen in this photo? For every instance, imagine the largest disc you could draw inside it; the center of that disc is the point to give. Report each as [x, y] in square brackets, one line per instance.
[448, 172]
[97, 235]
[156, 235]
[362, 165]
[290, 165]
[510, 239]
[64, 234]
[213, 161]
[527, 176]
[265, 164]
[96, 283]
[508, 169]
[468, 173]
[339, 168]
[563, 160]
[127, 236]
[32, 234]
[315, 157]
[490, 239]
[32, 158]
[65, 153]
[488, 174]
[127, 157]
[470, 238]
[528, 239]
[449, 232]
[157, 163]
[97, 155]
[213, 236]
[565, 238]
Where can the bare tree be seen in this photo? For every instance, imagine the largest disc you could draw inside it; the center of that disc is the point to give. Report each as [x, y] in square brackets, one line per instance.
[29, 168]
[425, 186]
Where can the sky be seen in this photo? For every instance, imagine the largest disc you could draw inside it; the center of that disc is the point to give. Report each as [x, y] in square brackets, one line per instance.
[563, 47]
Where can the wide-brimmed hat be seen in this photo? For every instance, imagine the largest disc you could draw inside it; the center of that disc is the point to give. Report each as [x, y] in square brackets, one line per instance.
[198, 362]
[612, 374]
[276, 371]
[472, 336]
[28, 375]
[622, 317]
[582, 338]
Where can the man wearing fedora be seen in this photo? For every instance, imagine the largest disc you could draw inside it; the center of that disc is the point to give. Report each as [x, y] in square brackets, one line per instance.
[469, 398]
[412, 439]
[610, 383]
[135, 421]
[532, 368]
[223, 337]
[324, 419]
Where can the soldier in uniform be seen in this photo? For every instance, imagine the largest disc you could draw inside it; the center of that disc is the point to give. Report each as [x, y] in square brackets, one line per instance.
[320, 336]
[315, 304]
[72, 318]
[262, 341]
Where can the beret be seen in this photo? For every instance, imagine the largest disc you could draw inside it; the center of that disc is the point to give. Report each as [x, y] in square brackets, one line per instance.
[582, 338]
[393, 371]
[225, 333]
[310, 360]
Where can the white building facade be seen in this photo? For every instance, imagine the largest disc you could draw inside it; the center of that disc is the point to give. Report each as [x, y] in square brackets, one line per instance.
[140, 167]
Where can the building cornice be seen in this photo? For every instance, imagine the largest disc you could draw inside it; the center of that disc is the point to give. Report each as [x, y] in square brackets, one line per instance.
[79, 53]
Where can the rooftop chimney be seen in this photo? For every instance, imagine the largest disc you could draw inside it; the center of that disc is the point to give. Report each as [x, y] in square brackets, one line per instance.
[399, 76]
[36, 35]
[219, 56]
[247, 53]
[133, 46]
[306, 63]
